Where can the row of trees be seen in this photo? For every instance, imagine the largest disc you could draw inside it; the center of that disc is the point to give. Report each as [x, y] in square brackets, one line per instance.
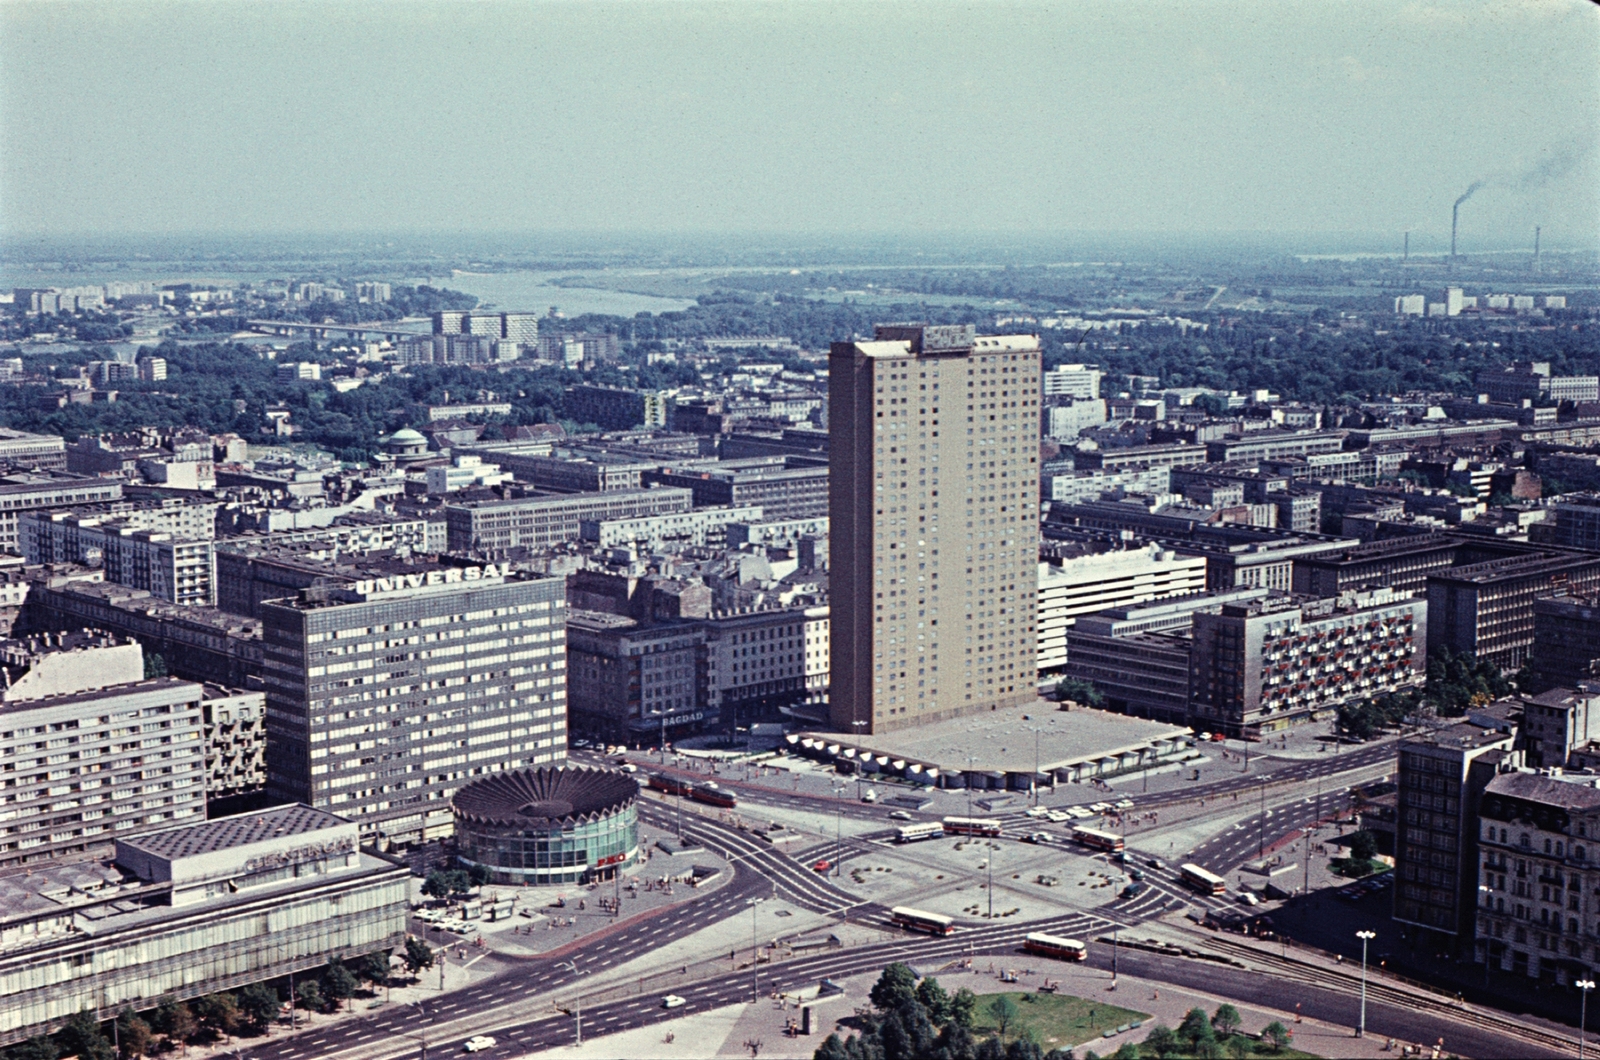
[443, 883]
[1455, 683]
[213, 1017]
[1205, 1038]
[916, 1020]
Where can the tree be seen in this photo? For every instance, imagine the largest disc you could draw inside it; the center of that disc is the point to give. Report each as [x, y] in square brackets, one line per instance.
[1196, 1026]
[897, 985]
[39, 1047]
[1003, 1011]
[1277, 1036]
[175, 1020]
[155, 665]
[830, 1049]
[1207, 1049]
[1080, 692]
[991, 1048]
[1238, 1047]
[419, 956]
[1024, 1048]
[964, 1008]
[478, 875]
[81, 1036]
[308, 995]
[219, 1012]
[437, 885]
[1162, 1041]
[134, 1034]
[1128, 1051]
[259, 1003]
[337, 981]
[1226, 1019]
[933, 998]
[374, 967]
[1363, 845]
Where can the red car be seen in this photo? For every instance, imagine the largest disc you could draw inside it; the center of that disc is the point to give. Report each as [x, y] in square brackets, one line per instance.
[821, 866]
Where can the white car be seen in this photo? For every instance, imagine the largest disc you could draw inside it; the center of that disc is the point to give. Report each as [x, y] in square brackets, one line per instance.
[870, 796]
[1248, 899]
[1100, 807]
[899, 815]
[479, 1042]
[1124, 804]
[673, 1001]
[1079, 812]
[628, 767]
[1057, 816]
[1035, 811]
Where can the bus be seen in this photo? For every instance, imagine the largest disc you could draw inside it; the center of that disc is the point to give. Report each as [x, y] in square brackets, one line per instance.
[1093, 837]
[971, 826]
[917, 920]
[1198, 879]
[670, 785]
[915, 833]
[1055, 946]
[712, 795]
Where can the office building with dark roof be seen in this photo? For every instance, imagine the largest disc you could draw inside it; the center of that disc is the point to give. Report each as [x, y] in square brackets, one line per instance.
[1487, 608]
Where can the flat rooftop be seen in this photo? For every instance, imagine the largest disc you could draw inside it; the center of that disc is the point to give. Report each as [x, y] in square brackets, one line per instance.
[1004, 740]
[223, 833]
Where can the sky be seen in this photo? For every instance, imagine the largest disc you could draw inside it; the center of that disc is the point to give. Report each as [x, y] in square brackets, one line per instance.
[1189, 118]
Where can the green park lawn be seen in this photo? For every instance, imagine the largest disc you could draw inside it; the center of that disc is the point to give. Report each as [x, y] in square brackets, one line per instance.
[1054, 1020]
[1061, 1021]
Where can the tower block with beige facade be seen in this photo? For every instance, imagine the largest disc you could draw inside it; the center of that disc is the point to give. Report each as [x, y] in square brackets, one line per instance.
[933, 509]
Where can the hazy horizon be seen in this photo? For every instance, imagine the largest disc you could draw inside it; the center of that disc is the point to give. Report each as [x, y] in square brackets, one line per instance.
[1286, 127]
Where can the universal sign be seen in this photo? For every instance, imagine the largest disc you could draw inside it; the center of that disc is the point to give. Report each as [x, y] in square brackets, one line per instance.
[424, 579]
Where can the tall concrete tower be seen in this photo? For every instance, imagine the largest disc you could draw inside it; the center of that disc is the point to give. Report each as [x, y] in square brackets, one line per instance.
[934, 536]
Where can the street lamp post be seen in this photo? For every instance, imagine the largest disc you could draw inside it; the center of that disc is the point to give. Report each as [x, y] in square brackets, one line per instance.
[993, 847]
[1585, 985]
[755, 952]
[1365, 937]
[1261, 821]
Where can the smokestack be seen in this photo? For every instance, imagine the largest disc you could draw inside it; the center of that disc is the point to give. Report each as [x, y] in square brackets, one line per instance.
[1537, 229]
[1455, 212]
[1407, 256]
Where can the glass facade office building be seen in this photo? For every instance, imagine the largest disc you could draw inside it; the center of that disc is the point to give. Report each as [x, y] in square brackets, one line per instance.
[537, 827]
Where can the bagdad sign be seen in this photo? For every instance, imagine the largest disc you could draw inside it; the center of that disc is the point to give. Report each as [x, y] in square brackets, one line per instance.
[448, 576]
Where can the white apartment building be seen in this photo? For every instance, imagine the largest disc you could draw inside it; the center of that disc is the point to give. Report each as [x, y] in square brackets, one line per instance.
[1073, 380]
[91, 750]
[1087, 584]
[464, 473]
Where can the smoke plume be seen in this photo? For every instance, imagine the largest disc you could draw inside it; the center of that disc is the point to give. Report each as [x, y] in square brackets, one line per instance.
[1471, 188]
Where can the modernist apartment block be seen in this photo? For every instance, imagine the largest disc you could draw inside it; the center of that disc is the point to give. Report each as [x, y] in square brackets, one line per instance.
[90, 750]
[933, 517]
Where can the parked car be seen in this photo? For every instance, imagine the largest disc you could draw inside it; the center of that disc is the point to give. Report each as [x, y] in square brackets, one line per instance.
[1246, 898]
[869, 796]
[1057, 816]
[1036, 811]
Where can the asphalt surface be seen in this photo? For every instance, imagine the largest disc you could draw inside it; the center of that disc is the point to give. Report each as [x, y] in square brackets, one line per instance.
[760, 870]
